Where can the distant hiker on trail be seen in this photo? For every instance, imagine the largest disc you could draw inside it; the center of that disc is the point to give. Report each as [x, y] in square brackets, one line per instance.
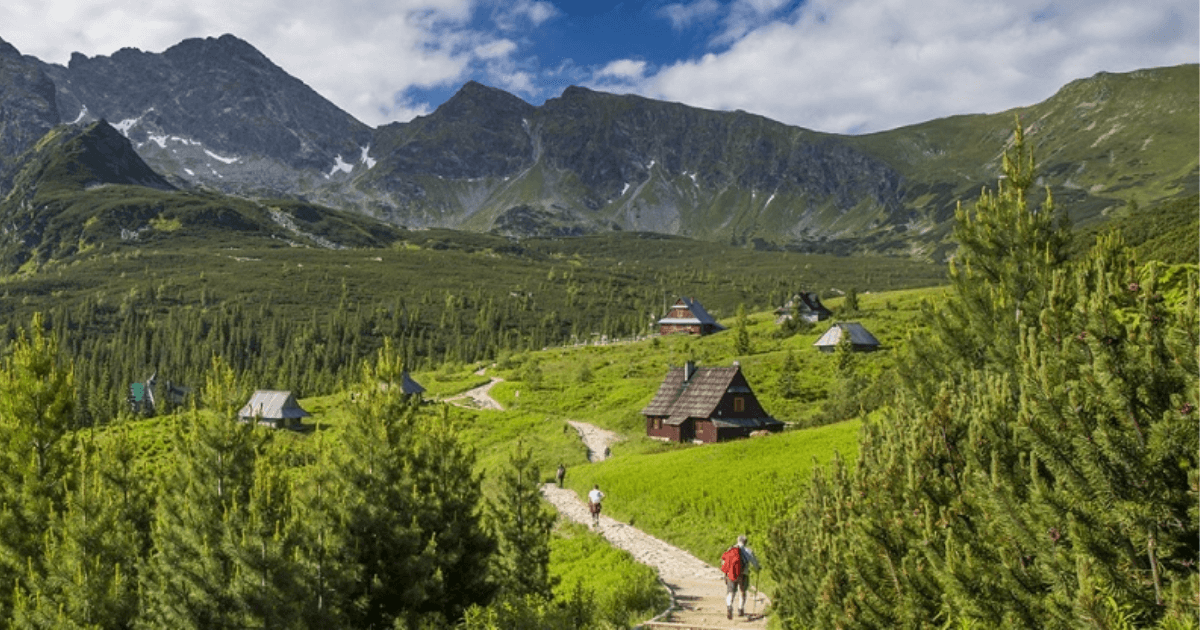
[733, 565]
[560, 475]
[594, 498]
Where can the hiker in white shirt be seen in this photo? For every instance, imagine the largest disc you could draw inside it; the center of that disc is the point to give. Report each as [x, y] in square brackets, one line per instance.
[594, 498]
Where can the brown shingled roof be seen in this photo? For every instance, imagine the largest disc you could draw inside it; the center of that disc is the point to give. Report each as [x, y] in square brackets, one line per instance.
[697, 397]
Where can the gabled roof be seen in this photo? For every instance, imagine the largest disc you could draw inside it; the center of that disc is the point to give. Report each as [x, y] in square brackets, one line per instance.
[697, 397]
[699, 315]
[859, 336]
[270, 404]
[409, 386]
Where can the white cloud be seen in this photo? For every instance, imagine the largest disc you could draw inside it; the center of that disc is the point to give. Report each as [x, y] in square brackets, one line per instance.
[535, 12]
[624, 69]
[833, 65]
[866, 65]
[495, 49]
[360, 54]
[682, 15]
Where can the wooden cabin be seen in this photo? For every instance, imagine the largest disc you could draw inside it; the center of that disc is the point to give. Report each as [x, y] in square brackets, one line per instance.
[805, 307]
[274, 408]
[689, 316]
[861, 339]
[706, 404]
[152, 396]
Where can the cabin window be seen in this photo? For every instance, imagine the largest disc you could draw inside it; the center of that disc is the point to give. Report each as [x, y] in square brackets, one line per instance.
[739, 404]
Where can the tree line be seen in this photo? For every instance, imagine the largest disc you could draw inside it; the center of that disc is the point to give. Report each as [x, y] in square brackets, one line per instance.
[1037, 467]
[382, 526]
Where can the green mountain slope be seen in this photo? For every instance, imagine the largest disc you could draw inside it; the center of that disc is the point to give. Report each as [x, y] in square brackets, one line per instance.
[1100, 143]
[85, 188]
[589, 161]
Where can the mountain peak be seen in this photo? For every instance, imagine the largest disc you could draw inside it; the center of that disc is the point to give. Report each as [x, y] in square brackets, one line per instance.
[8, 50]
[109, 158]
[227, 46]
[478, 101]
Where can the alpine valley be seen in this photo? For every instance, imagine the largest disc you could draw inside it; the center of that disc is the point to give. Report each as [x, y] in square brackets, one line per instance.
[216, 117]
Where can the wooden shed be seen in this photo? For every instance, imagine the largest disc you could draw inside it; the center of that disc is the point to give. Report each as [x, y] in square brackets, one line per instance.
[861, 339]
[275, 408]
[689, 316]
[804, 306]
[152, 396]
[706, 404]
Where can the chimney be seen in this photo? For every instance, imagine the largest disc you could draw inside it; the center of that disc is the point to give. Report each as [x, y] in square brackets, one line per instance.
[689, 370]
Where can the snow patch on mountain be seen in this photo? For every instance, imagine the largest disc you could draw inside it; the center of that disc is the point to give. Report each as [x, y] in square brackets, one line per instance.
[366, 158]
[339, 165]
[220, 158]
[125, 125]
[82, 114]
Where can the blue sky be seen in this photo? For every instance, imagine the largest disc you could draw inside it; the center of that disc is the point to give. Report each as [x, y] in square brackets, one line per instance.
[843, 66]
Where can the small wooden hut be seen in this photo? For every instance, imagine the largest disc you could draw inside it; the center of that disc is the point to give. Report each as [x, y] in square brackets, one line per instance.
[706, 404]
[689, 316]
[861, 340]
[804, 306]
[275, 408]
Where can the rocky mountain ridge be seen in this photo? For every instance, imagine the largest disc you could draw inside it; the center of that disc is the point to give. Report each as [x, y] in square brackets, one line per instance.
[217, 114]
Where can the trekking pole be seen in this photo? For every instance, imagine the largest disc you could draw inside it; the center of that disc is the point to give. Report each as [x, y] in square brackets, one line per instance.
[754, 612]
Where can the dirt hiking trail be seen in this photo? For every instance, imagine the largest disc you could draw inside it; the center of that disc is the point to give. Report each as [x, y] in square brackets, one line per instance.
[478, 398]
[697, 588]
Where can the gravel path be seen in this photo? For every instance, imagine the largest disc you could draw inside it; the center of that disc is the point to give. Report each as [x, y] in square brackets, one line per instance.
[697, 588]
[478, 398]
[596, 440]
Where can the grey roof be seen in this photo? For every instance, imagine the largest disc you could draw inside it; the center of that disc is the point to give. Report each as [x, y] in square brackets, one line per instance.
[409, 386]
[859, 336]
[699, 315]
[807, 302]
[270, 404]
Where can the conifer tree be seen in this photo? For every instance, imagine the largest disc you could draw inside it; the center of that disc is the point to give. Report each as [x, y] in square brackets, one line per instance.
[787, 376]
[379, 539]
[315, 521]
[91, 551]
[449, 504]
[522, 527]
[267, 579]
[190, 578]
[741, 340]
[37, 401]
[1023, 477]
[850, 302]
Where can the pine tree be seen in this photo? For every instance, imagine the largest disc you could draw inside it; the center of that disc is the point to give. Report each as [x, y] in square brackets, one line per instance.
[379, 540]
[522, 527]
[190, 578]
[91, 553]
[37, 401]
[1099, 508]
[449, 502]
[741, 340]
[267, 579]
[787, 376]
[850, 302]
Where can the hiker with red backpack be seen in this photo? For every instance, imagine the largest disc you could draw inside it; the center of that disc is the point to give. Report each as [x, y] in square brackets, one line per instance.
[735, 564]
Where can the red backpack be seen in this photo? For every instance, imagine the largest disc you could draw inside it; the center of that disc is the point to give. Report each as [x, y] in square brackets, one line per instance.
[731, 563]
